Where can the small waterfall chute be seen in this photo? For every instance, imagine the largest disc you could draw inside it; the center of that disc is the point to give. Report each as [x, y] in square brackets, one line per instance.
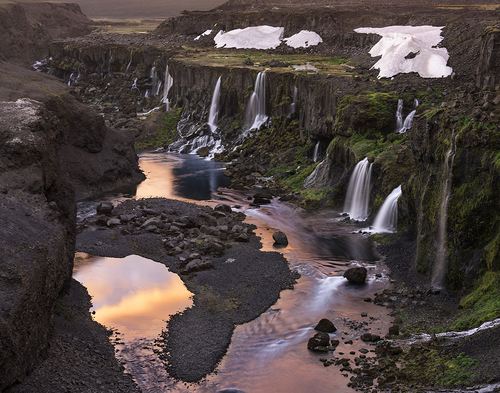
[255, 114]
[130, 62]
[213, 116]
[169, 81]
[358, 192]
[293, 105]
[387, 217]
[404, 125]
[316, 152]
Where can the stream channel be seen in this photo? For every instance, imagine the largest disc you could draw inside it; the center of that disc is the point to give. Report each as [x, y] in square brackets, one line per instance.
[135, 296]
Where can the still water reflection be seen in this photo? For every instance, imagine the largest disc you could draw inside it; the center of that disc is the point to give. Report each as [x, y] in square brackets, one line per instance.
[133, 295]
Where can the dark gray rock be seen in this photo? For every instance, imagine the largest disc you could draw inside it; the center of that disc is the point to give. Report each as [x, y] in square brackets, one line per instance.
[356, 275]
[104, 208]
[319, 342]
[325, 325]
[280, 238]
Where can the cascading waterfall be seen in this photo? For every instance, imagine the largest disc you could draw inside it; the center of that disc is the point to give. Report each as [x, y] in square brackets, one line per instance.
[169, 81]
[255, 114]
[213, 116]
[387, 217]
[439, 271]
[358, 192]
[155, 82]
[404, 125]
[130, 62]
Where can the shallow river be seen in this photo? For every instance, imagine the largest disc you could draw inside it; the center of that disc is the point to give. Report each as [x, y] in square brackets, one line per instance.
[136, 296]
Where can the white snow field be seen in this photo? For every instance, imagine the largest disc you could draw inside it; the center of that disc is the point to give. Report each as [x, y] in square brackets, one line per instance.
[397, 42]
[264, 37]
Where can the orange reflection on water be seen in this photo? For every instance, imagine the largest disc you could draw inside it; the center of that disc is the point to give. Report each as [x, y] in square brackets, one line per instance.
[159, 179]
[134, 295]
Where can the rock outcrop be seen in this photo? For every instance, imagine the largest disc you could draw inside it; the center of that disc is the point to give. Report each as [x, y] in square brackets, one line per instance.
[50, 146]
[27, 28]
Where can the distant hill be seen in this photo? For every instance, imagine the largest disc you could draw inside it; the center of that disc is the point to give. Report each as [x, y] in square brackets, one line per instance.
[145, 9]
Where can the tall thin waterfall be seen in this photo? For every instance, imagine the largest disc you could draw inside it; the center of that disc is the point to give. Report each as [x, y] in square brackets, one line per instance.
[316, 152]
[255, 114]
[213, 116]
[293, 105]
[387, 217]
[155, 82]
[404, 125]
[358, 192]
[169, 81]
[439, 270]
[130, 62]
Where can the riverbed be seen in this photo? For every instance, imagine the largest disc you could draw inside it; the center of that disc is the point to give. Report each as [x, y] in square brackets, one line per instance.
[270, 351]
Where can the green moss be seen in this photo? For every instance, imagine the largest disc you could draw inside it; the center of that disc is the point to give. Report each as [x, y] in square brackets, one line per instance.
[482, 304]
[166, 132]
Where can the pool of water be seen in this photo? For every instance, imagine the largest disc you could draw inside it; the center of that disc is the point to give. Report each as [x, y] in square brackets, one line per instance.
[269, 353]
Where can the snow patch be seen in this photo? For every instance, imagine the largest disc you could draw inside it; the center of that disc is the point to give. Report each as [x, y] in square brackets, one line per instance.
[206, 32]
[256, 37]
[264, 37]
[303, 39]
[420, 42]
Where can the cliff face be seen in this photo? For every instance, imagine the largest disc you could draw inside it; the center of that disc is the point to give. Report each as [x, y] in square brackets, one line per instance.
[27, 28]
[51, 145]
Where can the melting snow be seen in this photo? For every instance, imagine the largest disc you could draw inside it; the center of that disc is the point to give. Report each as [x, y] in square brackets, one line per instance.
[303, 39]
[256, 37]
[206, 32]
[264, 37]
[398, 42]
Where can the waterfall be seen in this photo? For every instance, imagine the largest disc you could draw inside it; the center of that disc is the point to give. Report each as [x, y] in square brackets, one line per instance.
[130, 62]
[316, 152]
[169, 81]
[358, 192]
[214, 107]
[155, 82]
[293, 105]
[387, 217]
[403, 126]
[255, 114]
[439, 271]
[134, 86]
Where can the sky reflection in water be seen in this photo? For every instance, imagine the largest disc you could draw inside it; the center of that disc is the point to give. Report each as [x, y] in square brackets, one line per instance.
[133, 294]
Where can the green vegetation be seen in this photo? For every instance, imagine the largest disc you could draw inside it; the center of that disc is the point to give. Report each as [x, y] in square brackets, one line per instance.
[482, 304]
[163, 134]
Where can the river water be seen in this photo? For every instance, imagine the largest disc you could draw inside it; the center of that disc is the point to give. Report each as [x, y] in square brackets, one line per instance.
[269, 353]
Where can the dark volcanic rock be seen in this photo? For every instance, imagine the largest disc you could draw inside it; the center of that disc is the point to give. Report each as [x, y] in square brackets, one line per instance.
[280, 238]
[37, 234]
[319, 342]
[356, 275]
[325, 325]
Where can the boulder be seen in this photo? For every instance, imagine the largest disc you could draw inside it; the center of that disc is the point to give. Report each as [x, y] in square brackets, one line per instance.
[280, 238]
[197, 265]
[104, 208]
[319, 342]
[356, 275]
[325, 325]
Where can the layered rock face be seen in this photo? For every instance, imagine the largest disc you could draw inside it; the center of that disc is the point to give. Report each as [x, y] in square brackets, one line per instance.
[51, 145]
[37, 234]
[28, 27]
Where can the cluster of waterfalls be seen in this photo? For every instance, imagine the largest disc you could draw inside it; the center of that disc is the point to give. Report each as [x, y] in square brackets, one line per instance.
[358, 197]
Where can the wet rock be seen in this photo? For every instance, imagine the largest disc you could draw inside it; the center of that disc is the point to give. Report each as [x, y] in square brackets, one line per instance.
[262, 199]
[356, 275]
[242, 237]
[223, 208]
[325, 325]
[104, 208]
[368, 337]
[319, 342]
[280, 238]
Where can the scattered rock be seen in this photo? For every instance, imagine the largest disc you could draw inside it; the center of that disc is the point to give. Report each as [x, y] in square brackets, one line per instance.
[319, 342]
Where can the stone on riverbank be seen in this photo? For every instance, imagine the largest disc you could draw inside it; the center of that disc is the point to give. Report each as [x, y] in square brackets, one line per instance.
[356, 275]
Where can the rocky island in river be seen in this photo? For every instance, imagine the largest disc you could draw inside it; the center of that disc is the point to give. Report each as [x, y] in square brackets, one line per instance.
[329, 86]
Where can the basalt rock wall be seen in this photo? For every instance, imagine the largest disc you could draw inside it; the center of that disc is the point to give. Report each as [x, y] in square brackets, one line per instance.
[53, 150]
[27, 28]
